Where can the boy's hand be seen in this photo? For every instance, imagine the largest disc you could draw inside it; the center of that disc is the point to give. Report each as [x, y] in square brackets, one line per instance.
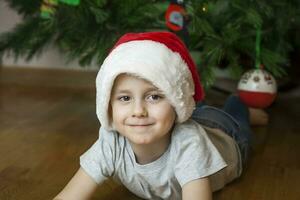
[80, 187]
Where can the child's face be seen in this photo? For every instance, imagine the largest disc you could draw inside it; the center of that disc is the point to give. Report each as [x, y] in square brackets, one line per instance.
[140, 111]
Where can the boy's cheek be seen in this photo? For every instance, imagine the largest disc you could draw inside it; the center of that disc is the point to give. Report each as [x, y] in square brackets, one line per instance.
[162, 110]
[118, 113]
[115, 114]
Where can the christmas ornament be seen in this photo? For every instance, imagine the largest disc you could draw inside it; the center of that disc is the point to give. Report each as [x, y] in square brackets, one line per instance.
[257, 88]
[176, 15]
[71, 2]
[177, 19]
[48, 8]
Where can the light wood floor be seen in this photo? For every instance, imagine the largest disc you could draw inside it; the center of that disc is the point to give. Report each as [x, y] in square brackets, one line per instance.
[47, 120]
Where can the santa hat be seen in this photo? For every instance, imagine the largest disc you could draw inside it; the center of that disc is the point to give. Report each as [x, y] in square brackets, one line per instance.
[159, 57]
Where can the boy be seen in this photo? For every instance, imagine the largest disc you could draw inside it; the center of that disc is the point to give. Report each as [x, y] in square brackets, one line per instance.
[146, 93]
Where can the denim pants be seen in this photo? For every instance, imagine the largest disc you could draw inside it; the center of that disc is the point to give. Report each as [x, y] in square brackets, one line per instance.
[233, 119]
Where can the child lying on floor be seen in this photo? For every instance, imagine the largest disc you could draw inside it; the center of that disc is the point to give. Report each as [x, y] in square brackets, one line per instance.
[155, 136]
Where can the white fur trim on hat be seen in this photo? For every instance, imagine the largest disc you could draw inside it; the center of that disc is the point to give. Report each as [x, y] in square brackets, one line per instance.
[154, 62]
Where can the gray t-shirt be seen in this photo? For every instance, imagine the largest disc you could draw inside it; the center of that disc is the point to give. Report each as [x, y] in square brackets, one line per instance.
[191, 155]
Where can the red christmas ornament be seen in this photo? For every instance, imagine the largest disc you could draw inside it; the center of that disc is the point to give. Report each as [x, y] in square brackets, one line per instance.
[175, 17]
[257, 88]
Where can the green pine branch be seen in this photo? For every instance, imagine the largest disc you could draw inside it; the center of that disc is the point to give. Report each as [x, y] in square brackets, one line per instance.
[27, 39]
[224, 32]
[221, 33]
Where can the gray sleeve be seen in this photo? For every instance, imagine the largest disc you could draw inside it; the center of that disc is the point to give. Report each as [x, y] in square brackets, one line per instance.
[197, 157]
[98, 161]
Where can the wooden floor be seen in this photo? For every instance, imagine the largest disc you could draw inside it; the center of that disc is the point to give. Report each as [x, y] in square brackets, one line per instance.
[47, 120]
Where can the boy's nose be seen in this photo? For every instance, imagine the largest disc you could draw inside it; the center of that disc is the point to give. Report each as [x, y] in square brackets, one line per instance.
[139, 110]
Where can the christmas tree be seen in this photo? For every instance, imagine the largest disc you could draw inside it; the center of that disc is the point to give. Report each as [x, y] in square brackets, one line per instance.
[221, 34]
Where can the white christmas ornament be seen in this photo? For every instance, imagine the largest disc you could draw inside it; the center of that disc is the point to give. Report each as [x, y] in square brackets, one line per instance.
[257, 88]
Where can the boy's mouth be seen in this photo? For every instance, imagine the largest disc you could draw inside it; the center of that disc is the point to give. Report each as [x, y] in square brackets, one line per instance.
[137, 125]
[139, 122]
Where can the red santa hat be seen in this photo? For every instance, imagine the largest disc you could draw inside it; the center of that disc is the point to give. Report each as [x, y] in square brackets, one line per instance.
[159, 57]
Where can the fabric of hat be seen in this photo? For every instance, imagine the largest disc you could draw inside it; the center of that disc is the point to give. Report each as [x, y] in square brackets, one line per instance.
[159, 57]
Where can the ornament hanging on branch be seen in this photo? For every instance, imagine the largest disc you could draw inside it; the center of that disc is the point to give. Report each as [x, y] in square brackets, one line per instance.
[71, 2]
[257, 88]
[48, 7]
[177, 19]
[176, 15]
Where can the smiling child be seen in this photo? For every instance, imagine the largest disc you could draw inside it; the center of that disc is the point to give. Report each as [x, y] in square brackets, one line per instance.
[154, 138]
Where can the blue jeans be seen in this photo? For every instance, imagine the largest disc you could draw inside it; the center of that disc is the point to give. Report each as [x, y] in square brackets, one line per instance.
[233, 119]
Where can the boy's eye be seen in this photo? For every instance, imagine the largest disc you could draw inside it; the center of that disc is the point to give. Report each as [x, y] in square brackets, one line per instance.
[154, 97]
[124, 98]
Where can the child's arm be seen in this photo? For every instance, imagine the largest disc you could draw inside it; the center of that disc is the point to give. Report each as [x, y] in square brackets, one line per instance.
[197, 190]
[80, 187]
